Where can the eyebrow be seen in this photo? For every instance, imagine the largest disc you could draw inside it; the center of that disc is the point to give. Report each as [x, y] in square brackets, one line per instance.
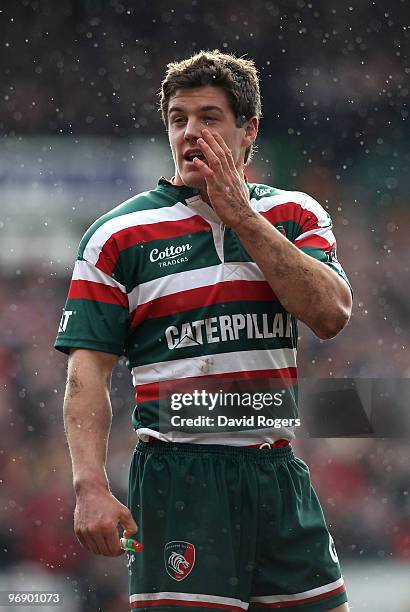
[202, 109]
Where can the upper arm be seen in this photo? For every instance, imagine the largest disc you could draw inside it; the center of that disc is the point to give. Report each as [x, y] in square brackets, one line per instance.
[87, 367]
[316, 239]
[96, 312]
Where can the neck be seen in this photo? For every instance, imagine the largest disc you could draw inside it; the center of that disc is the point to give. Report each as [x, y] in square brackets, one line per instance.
[203, 192]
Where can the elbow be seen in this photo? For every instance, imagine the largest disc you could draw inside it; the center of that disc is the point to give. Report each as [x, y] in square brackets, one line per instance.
[337, 314]
[329, 327]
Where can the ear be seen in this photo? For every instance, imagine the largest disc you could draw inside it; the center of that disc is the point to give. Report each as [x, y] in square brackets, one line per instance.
[251, 131]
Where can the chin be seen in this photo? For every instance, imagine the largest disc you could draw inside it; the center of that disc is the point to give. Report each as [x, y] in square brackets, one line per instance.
[193, 180]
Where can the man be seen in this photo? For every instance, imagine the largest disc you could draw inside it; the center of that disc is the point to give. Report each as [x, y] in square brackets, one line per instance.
[201, 278]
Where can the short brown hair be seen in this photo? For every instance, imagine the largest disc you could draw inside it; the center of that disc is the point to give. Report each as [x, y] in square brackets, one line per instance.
[236, 75]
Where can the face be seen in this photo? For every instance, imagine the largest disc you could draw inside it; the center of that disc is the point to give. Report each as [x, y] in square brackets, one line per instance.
[192, 110]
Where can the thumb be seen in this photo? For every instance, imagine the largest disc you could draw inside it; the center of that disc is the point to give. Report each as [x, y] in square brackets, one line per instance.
[130, 526]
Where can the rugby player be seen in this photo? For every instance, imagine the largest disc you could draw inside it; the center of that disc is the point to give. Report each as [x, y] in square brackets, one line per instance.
[204, 276]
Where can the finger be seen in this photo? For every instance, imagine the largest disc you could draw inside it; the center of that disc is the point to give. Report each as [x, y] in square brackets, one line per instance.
[214, 161]
[212, 142]
[113, 545]
[81, 540]
[86, 542]
[100, 543]
[228, 153]
[127, 521]
[90, 544]
[127, 534]
[205, 170]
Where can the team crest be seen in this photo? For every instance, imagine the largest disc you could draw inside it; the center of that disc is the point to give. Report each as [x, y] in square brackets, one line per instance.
[179, 559]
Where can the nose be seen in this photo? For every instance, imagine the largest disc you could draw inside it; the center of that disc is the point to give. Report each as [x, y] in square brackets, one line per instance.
[192, 129]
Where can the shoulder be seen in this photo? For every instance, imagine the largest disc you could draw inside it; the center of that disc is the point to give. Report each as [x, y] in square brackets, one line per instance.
[137, 210]
[295, 205]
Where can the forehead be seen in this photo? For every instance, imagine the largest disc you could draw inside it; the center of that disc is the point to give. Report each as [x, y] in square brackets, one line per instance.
[196, 98]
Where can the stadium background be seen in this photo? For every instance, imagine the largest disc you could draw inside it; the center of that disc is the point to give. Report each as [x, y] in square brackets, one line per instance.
[81, 133]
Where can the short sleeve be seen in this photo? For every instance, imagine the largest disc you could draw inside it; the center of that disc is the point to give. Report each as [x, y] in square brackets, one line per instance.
[96, 312]
[315, 236]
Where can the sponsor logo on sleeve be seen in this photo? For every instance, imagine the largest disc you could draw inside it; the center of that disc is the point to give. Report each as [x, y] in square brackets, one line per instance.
[332, 256]
[332, 550]
[262, 191]
[64, 320]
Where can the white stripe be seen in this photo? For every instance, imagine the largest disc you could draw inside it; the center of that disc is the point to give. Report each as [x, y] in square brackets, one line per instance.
[206, 365]
[197, 597]
[193, 279]
[284, 197]
[83, 270]
[324, 232]
[141, 217]
[297, 596]
[234, 438]
[303, 199]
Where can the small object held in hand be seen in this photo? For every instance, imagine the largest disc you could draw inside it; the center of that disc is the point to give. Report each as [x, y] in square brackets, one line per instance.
[131, 545]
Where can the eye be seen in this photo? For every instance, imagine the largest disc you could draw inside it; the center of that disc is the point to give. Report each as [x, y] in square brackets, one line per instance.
[178, 119]
[208, 120]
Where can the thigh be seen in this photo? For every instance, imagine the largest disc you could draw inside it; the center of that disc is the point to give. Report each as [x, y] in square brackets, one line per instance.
[297, 564]
[191, 513]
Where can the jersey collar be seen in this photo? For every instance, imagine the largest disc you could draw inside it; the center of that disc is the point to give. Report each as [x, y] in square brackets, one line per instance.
[183, 192]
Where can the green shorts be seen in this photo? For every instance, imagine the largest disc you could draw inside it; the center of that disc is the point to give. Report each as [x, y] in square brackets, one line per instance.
[228, 528]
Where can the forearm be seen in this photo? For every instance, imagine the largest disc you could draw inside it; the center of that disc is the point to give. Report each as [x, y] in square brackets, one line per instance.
[304, 286]
[87, 422]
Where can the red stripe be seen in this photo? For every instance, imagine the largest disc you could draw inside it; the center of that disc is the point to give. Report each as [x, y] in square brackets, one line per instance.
[291, 211]
[298, 602]
[108, 256]
[138, 234]
[316, 242]
[227, 291]
[151, 391]
[148, 603]
[89, 290]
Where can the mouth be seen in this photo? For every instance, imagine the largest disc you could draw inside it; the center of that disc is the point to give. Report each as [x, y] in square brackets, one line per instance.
[189, 156]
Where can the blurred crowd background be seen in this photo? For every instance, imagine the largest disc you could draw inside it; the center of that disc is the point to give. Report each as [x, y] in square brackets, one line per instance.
[81, 132]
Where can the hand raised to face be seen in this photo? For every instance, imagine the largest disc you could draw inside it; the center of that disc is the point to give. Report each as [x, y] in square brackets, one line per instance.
[226, 189]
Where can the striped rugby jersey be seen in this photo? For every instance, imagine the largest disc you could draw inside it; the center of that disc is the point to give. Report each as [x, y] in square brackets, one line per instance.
[162, 281]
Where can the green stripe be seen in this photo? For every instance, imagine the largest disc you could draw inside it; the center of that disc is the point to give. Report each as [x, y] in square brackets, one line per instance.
[95, 325]
[235, 251]
[148, 344]
[257, 191]
[320, 255]
[136, 259]
[292, 229]
[315, 252]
